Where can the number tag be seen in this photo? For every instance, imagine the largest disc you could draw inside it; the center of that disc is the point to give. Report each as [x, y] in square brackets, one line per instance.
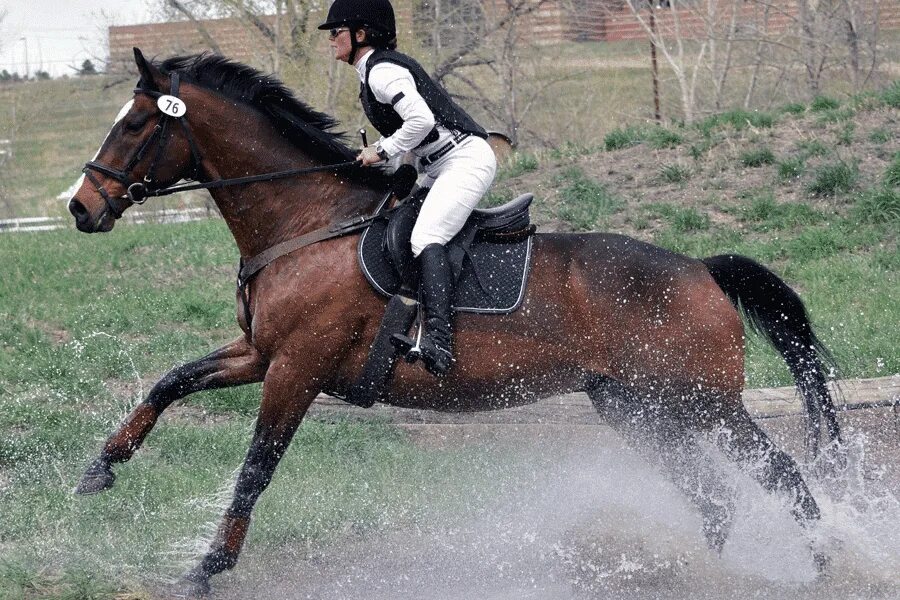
[172, 106]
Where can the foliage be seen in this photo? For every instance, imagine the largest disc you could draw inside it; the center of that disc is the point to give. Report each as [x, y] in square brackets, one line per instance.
[738, 119]
[584, 202]
[833, 178]
[790, 168]
[674, 174]
[891, 95]
[87, 68]
[757, 157]
[823, 103]
[522, 162]
[878, 205]
[793, 108]
[892, 174]
[623, 137]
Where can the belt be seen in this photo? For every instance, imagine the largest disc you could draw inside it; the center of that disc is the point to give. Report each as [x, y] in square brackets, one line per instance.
[443, 150]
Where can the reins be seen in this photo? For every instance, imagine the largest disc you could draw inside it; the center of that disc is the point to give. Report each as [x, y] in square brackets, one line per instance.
[138, 192]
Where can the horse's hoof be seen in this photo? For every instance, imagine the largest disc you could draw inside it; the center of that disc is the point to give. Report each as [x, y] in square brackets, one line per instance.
[98, 477]
[820, 561]
[193, 585]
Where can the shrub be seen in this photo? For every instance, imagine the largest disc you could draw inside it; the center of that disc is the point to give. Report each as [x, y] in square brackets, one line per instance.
[674, 174]
[794, 108]
[834, 178]
[892, 175]
[763, 209]
[757, 157]
[812, 148]
[684, 220]
[660, 137]
[891, 95]
[823, 103]
[739, 119]
[584, 201]
[836, 115]
[522, 162]
[879, 136]
[623, 137]
[790, 168]
[845, 135]
[880, 205]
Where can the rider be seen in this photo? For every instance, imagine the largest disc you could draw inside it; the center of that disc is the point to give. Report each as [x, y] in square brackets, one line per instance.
[413, 113]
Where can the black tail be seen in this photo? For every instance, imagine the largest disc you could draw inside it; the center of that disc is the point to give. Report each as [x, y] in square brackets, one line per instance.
[776, 312]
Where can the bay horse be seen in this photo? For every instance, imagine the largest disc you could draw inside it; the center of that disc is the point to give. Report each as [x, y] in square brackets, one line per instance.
[656, 339]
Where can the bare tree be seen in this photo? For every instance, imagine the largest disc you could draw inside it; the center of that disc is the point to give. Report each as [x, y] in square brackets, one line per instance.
[672, 41]
[477, 50]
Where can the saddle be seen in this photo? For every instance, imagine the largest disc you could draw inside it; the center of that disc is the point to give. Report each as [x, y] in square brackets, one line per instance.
[490, 258]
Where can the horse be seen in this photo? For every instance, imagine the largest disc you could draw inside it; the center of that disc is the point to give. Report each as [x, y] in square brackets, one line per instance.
[656, 339]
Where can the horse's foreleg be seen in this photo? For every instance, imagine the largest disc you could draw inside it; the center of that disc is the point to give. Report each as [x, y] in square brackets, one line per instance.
[285, 401]
[237, 363]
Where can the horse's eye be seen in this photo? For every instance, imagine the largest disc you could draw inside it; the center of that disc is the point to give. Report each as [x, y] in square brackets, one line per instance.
[136, 124]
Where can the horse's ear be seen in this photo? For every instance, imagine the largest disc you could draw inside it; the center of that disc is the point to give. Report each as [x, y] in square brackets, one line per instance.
[149, 73]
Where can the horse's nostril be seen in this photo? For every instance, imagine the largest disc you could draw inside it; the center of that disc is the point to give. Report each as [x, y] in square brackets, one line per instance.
[77, 209]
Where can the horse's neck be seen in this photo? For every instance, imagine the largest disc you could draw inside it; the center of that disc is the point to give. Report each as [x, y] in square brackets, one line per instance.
[263, 214]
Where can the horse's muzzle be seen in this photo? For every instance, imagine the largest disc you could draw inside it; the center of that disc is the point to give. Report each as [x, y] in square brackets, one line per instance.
[85, 222]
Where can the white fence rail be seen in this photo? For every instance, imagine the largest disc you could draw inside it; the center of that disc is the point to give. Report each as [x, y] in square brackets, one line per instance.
[171, 215]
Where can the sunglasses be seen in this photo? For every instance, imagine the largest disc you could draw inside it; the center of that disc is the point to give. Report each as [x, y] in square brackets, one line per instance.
[336, 32]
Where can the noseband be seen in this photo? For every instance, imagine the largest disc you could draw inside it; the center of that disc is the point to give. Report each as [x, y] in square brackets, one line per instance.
[138, 190]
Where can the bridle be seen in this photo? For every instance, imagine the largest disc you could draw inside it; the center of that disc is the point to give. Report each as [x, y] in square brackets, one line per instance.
[137, 192]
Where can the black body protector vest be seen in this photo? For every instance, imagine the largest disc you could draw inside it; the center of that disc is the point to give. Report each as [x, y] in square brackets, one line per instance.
[386, 120]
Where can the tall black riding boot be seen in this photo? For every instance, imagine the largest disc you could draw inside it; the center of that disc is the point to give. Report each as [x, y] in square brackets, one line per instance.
[435, 347]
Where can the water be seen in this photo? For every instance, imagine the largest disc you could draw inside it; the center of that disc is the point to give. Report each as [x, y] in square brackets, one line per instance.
[585, 518]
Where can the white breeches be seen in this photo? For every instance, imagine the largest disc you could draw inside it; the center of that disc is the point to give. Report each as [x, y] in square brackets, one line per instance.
[458, 181]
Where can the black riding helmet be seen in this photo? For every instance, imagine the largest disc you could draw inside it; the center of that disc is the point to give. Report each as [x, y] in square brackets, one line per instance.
[376, 15]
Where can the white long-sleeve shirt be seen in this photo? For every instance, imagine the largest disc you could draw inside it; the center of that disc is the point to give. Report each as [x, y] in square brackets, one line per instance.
[387, 80]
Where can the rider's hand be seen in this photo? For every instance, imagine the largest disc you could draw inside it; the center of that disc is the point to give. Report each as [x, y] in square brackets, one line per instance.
[369, 156]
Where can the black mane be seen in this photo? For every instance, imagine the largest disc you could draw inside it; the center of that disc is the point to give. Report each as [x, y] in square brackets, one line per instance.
[308, 129]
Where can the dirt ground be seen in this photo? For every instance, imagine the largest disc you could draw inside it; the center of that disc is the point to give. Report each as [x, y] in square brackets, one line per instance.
[582, 516]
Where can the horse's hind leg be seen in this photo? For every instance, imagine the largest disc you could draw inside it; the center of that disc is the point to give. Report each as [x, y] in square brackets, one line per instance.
[666, 440]
[237, 363]
[747, 444]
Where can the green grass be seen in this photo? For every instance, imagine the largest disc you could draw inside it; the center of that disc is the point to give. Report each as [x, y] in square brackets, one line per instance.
[892, 174]
[880, 136]
[793, 108]
[655, 136]
[674, 174]
[623, 137]
[833, 179]
[809, 148]
[824, 103]
[737, 119]
[765, 214]
[891, 95]
[521, 163]
[584, 201]
[879, 205]
[757, 157]
[791, 168]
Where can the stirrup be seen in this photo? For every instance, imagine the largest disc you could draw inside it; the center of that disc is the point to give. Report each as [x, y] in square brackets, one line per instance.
[407, 346]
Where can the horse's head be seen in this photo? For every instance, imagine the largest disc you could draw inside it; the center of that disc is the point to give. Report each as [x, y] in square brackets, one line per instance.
[149, 147]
